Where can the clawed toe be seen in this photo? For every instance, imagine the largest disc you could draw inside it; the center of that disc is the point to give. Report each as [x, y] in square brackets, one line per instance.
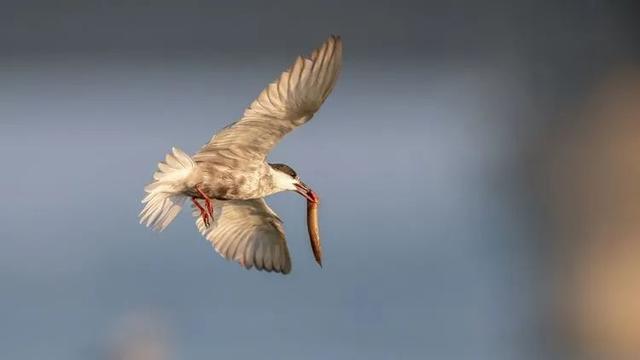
[207, 211]
[205, 214]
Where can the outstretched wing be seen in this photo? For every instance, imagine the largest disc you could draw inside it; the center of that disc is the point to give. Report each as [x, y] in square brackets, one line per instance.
[248, 232]
[285, 104]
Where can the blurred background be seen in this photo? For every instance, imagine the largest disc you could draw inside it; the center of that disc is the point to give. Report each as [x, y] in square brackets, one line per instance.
[479, 165]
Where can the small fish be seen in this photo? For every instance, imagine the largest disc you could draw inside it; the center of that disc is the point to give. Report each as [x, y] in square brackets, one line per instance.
[314, 231]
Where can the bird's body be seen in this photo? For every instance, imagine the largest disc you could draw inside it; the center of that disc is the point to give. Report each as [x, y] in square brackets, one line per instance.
[229, 179]
[231, 174]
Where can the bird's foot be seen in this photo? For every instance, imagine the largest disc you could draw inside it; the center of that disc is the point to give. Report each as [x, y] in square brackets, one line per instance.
[206, 212]
[208, 202]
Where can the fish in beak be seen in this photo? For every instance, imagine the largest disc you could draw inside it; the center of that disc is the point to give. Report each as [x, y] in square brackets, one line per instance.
[314, 231]
[304, 190]
[313, 200]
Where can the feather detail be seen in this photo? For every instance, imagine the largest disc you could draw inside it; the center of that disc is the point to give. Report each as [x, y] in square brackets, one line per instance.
[165, 195]
[249, 233]
[288, 102]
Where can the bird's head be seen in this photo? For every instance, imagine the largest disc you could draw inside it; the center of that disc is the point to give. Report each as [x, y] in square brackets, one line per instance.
[285, 178]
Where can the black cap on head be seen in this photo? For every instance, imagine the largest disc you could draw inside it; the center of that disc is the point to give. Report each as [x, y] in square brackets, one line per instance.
[285, 169]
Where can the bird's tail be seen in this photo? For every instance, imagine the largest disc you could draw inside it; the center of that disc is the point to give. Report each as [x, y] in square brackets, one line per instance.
[165, 195]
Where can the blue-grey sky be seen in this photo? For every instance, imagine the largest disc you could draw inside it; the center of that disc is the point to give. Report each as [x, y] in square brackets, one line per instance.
[430, 250]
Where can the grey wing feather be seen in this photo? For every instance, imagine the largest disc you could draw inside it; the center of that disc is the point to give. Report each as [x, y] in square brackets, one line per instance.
[288, 102]
[247, 232]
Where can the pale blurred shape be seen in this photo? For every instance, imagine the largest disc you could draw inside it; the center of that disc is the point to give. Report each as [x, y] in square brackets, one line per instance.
[596, 192]
[140, 336]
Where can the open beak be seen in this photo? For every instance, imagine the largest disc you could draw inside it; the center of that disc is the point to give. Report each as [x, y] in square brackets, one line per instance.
[304, 190]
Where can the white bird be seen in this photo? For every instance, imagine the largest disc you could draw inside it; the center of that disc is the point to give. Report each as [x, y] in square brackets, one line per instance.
[230, 173]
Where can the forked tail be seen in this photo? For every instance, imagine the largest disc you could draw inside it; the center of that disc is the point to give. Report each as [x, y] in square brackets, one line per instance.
[165, 195]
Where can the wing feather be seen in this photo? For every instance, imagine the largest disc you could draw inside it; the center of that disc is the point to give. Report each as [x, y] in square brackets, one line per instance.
[248, 255]
[247, 232]
[286, 103]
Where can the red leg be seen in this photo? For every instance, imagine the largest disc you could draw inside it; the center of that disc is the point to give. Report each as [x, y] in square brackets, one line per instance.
[203, 212]
[208, 202]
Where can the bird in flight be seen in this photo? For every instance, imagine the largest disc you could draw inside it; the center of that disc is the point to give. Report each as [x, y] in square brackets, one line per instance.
[228, 179]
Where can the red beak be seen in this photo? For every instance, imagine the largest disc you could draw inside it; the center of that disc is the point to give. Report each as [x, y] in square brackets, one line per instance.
[304, 190]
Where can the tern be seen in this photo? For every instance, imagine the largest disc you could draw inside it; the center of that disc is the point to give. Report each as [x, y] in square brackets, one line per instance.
[228, 178]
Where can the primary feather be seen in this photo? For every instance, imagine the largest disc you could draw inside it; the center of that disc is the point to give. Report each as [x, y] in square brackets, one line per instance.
[286, 103]
[248, 232]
